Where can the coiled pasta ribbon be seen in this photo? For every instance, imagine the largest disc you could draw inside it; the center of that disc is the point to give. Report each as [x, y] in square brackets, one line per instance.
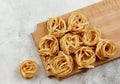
[91, 37]
[28, 69]
[62, 65]
[57, 26]
[77, 22]
[48, 45]
[105, 49]
[47, 60]
[70, 43]
[85, 57]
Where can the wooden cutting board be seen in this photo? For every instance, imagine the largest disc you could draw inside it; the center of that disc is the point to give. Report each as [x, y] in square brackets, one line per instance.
[104, 15]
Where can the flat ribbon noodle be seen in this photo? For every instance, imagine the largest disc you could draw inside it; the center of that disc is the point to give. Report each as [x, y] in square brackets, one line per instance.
[48, 45]
[105, 49]
[77, 22]
[28, 68]
[91, 37]
[57, 26]
[62, 65]
[70, 43]
[47, 60]
[85, 57]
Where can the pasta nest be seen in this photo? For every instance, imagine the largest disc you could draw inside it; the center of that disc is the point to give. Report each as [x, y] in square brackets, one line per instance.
[48, 45]
[57, 26]
[69, 43]
[91, 37]
[85, 57]
[105, 49]
[62, 65]
[77, 22]
[28, 69]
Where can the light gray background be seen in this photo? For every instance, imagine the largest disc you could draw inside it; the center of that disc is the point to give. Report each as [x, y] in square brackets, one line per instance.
[18, 18]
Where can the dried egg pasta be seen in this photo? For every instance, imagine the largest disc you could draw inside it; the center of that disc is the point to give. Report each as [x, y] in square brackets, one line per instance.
[28, 69]
[85, 57]
[77, 22]
[57, 26]
[91, 36]
[48, 45]
[62, 65]
[105, 49]
[70, 43]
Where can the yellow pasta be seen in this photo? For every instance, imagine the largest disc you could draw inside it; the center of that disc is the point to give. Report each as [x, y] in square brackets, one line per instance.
[69, 43]
[77, 22]
[105, 49]
[91, 36]
[62, 65]
[69, 48]
[85, 57]
[57, 26]
[48, 45]
[47, 60]
[28, 69]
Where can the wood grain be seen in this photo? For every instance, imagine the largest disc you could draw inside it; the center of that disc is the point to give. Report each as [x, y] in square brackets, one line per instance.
[104, 15]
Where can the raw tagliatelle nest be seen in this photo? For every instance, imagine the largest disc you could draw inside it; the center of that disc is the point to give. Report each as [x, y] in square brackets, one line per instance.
[85, 57]
[105, 49]
[70, 43]
[57, 26]
[91, 36]
[28, 69]
[73, 45]
[62, 64]
[77, 22]
[48, 45]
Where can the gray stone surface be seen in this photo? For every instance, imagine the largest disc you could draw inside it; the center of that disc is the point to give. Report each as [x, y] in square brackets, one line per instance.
[18, 18]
